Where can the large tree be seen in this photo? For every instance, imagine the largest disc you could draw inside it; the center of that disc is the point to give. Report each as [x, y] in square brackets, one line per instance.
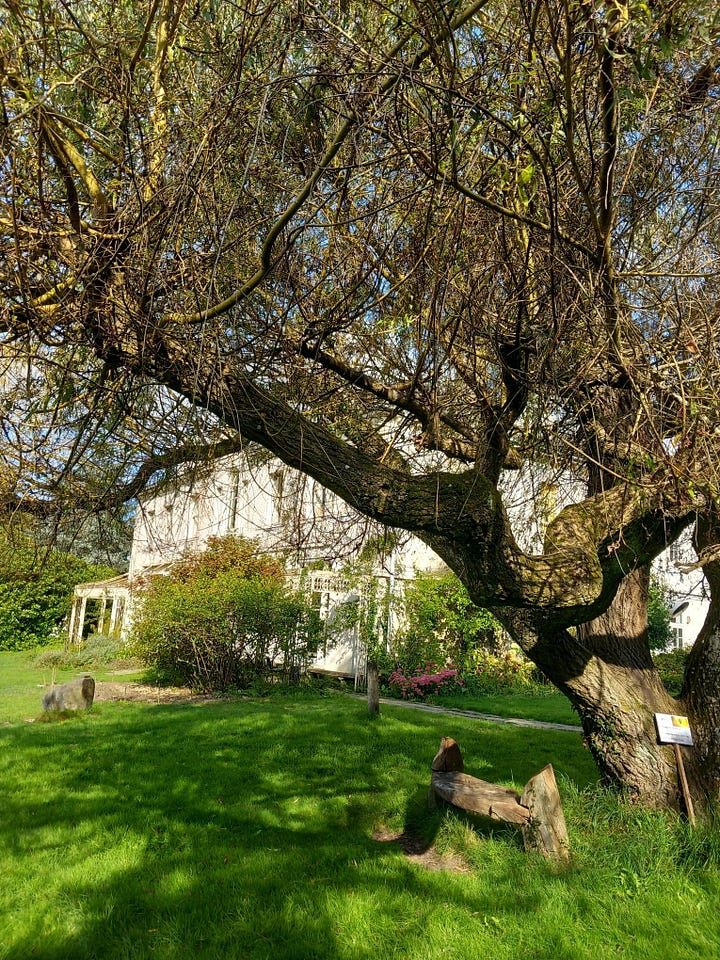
[406, 249]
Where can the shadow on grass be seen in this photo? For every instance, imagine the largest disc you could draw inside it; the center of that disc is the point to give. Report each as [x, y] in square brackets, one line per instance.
[238, 830]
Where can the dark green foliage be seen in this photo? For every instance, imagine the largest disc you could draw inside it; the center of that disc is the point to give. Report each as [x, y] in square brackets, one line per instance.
[36, 586]
[443, 624]
[659, 614]
[671, 667]
[225, 618]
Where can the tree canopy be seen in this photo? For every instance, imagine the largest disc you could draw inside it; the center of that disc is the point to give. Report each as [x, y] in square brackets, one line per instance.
[405, 248]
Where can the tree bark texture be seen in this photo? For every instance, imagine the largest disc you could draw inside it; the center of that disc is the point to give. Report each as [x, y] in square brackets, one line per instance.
[373, 687]
[607, 673]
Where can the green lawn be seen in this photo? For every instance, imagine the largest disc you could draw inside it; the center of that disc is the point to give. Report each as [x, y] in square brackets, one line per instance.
[551, 707]
[245, 830]
[22, 685]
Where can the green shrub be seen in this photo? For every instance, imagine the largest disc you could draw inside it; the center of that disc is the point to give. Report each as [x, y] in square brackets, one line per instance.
[448, 642]
[443, 625]
[486, 673]
[36, 586]
[671, 667]
[659, 616]
[224, 618]
[99, 650]
[482, 673]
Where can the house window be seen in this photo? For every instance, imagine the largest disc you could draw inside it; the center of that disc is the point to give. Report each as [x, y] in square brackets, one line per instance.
[676, 551]
[676, 631]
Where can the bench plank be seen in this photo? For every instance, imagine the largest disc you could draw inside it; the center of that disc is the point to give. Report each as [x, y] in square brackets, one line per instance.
[478, 796]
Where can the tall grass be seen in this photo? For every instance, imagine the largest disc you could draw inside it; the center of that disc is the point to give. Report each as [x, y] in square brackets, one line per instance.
[246, 830]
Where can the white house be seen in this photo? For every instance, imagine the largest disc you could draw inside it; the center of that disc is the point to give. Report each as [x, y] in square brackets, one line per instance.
[256, 496]
[687, 591]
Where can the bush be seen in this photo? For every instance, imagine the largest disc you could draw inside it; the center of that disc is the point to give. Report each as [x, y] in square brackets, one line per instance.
[483, 673]
[486, 673]
[224, 618]
[423, 684]
[99, 650]
[36, 586]
[659, 616]
[449, 644]
[671, 667]
[443, 625]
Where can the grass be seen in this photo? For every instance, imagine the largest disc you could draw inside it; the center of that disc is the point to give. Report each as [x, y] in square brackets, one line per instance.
[551, 707]
[245, 830]
[22, 686]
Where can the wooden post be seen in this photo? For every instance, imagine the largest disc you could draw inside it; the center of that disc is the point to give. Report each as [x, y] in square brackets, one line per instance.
[546, 830]
[448, 757]
[684, 785]
[373, 687]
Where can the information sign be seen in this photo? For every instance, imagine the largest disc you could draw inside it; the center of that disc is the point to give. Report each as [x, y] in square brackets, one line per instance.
[673, 729]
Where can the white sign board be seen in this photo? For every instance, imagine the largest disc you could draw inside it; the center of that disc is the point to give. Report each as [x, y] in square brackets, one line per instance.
[673, 729]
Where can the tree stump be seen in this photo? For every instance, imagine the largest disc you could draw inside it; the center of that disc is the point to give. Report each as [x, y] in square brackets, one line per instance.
[538, 812]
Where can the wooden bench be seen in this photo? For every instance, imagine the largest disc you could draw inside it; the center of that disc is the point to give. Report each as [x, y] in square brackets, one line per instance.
[538, 811]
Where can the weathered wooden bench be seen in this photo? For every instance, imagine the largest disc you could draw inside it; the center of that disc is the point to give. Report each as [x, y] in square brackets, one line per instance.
[538, 811]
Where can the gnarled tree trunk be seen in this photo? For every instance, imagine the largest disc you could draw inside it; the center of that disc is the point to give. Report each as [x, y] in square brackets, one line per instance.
[606, 671]
[701, 685]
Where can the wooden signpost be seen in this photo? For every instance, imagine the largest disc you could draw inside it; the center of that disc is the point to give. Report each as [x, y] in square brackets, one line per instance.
[538, 812]
[675, 730]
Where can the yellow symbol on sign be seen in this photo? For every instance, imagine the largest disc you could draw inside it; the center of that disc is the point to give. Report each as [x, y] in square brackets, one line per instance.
[680, 722]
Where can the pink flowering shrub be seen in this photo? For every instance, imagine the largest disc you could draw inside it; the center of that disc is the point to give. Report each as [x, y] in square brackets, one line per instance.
[481, 673]
[416, 685]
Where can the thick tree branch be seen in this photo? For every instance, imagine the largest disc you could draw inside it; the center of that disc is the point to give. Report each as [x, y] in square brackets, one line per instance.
[402, 398]
[460, 515]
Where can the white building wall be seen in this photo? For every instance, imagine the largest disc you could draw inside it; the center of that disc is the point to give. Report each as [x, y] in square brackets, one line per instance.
[289, 513]
[688, 592]
[285, 511]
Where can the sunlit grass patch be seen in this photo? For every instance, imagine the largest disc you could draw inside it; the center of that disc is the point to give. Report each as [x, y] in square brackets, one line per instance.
[246, 829]
[551, 707]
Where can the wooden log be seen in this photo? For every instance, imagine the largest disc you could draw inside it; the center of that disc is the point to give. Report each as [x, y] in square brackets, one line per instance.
[538, 812]
[448, 757]
[477, 796]
[546, 830]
